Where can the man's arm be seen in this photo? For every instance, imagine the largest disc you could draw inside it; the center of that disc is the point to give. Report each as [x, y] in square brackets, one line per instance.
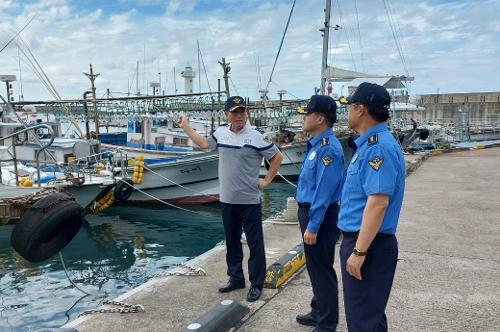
[373, 215]
[329, 179]
[379, 177]
[199, 140]
[273, 170]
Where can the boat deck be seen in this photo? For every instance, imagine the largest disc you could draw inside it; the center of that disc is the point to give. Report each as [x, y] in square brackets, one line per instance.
[8, 192]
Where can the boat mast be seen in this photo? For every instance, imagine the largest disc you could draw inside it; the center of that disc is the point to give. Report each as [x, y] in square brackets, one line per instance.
[326, 35]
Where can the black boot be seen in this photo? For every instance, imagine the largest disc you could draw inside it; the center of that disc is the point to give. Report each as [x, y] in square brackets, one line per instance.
[307, 319]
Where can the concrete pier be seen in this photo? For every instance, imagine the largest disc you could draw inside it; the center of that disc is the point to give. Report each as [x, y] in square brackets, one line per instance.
[446, 280]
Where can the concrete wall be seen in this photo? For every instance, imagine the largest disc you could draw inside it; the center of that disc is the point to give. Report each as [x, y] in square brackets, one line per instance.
[482, 107]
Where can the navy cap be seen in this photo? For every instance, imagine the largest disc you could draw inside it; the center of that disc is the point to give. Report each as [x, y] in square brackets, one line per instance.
[321, 104]
[370, 94]
[233, 103]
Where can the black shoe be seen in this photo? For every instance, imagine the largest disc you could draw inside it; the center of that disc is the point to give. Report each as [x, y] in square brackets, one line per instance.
[231, 286]
[307, 319]
[253, 294]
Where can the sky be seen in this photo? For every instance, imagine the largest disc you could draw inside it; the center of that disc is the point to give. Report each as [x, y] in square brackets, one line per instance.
[448, 46]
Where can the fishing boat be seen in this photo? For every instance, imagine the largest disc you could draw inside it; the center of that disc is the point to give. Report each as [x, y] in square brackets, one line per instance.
[192, 179]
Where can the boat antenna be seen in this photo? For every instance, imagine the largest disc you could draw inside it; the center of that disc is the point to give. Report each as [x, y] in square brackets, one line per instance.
[204, 69]
[281, 44]
[18, 33]
[199, 68]
[326, 35]
[20, 72]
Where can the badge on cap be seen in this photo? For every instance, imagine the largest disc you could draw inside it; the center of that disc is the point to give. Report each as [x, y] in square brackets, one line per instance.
[327, 160]
[376, 162]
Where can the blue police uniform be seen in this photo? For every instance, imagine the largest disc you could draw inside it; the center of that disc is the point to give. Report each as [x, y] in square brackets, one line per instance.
[377, 167]
[319, 189]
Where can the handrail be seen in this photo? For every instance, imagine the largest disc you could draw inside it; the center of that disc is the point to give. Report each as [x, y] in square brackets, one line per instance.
[25, 125]
[37, 154]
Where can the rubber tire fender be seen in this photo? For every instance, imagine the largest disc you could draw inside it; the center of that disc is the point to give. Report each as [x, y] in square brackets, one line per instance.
[41, 234]
[423, 134]
[124, 189]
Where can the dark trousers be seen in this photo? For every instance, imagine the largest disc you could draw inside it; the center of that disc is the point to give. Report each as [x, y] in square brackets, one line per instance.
[319, 263]
[247, 217]
[365, 300]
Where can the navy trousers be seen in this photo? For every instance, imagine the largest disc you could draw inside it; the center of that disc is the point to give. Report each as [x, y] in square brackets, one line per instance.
[247, 217]
[365, 300]
[319, 263]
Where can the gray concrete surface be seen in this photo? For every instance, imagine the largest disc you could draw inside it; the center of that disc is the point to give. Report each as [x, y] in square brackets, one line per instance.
[448, 274]
[172, 303]
[446, 280]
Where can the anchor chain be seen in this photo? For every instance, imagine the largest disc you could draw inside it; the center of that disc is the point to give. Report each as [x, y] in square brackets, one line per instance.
[190, 271]
[124, 308]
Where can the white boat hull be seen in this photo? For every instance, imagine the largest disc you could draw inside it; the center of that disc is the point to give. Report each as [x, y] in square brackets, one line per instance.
[191, 180]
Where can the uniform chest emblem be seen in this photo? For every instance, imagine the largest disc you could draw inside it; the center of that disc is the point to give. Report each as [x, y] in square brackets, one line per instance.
[312, 155]
[327, 160]
[354, 158]
[376, 162]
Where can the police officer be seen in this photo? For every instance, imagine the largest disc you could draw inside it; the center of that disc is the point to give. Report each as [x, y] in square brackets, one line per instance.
[371, 202]
[318, 193]
[241, 149]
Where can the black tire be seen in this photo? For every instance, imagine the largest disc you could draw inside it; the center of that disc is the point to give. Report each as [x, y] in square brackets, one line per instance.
[45, 229]
[423, 134]
[124, 189]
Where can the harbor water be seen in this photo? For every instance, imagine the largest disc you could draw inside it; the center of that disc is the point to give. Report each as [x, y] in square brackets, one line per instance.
[114, 252]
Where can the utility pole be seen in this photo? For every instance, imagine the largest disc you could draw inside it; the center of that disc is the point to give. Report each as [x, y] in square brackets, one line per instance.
[92, 78]
[326, 35]
[226, 68]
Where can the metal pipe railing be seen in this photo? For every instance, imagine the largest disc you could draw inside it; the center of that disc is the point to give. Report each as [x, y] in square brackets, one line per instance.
[37, 154]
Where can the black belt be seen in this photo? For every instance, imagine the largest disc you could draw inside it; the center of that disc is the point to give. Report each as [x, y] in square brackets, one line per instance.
[308, 205]
[355, 234]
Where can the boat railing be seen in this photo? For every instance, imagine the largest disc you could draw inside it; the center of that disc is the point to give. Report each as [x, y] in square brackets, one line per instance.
[43, 147]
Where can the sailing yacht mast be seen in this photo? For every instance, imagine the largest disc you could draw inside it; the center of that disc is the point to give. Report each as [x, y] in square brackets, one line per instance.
[326, 35]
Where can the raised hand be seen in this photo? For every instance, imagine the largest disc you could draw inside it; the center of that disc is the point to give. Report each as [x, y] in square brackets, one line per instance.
[182, 121]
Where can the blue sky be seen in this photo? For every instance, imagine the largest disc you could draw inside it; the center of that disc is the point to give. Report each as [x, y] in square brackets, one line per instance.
[453, 46]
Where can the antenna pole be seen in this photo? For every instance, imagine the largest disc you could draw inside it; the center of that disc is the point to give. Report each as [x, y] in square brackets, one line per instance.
[92, 78]
[226, 68]
[326, 35]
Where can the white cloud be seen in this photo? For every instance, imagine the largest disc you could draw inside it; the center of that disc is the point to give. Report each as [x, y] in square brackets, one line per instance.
[7, 4]
[444, 44]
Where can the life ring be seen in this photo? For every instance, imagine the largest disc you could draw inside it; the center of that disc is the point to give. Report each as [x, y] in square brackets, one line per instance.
[40, 133]
[124, 189]
[47, 227]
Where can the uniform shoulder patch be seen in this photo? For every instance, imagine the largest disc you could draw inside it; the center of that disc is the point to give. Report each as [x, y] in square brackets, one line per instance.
[327, 160]
[376, 163]
[373, 139]
[325, 141]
